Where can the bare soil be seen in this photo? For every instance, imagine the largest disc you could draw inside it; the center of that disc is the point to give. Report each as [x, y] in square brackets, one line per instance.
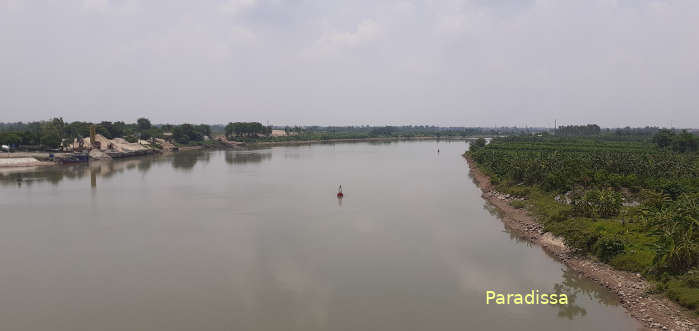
[653, 311]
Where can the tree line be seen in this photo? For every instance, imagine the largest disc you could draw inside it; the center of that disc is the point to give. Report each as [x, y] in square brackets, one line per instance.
[679, 142]
[246, 129]
[578, 130]
[56, 132]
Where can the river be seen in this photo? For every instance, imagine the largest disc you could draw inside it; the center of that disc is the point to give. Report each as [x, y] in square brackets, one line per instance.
[257, 240]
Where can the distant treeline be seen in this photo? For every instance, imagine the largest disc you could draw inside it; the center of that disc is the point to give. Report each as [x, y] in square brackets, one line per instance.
[51, 133]
[56, 132]
[246, 129]
[578, 130]
[595, 130]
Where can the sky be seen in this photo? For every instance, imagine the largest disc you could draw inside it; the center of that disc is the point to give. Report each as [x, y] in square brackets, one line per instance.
[359, 62]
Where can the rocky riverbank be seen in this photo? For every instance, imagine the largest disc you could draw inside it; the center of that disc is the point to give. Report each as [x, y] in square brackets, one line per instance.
[653, 311]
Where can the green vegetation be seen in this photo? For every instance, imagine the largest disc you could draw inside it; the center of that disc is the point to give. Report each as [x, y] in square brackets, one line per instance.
[629, 200]
[578, 130]
[247, 129]
[682, 142]
[54, 133]
[49, 134]
[256, 132]
[519, 204]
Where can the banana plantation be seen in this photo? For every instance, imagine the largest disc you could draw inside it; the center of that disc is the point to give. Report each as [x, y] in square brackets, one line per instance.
[627, 202]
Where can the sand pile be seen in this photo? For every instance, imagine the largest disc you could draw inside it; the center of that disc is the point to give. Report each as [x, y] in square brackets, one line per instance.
[20, 162]
[121, 145]
[230, 143]
[111, 145]
[166, 145]
[96, 154]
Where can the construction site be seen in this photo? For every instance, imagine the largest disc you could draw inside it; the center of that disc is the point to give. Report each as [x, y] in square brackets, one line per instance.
[95, 147]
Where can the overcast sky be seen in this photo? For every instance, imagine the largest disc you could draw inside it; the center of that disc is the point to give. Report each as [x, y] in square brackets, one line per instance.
[455, 63]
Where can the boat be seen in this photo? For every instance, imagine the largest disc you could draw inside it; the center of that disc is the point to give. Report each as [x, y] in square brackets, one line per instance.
[73, 158]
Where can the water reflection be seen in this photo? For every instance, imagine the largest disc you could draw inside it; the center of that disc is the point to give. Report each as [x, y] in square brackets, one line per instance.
[183, 161]
[187, 160]
[241, 157]
[229, 247]
[574, 285]
[95, 169]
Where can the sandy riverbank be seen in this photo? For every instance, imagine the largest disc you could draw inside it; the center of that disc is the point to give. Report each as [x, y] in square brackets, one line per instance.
[653, 311]
[20, 162]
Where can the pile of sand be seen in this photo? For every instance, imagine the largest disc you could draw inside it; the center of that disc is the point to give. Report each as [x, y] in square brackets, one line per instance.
[121, 145]
[111, 145]
[230, 143]
[96, 154]
[166, 145]
[20, 162]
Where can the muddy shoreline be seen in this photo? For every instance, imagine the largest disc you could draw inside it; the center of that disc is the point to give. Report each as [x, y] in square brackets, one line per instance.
[653, 311]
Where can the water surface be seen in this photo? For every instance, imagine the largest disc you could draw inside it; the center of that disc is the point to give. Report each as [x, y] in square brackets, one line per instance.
[257, 240]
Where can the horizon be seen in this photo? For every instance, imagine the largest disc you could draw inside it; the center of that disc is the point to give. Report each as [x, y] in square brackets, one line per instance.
[374, 126]
[454, 63]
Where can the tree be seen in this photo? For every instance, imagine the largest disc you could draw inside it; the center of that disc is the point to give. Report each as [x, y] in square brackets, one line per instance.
[578, 130]
[186, 133]
[203, 129]
[684, 142]
[382, 131]
[105, 129]
[58, 127]
[663, 138]
[228, 130]
[118, 129]
[10, 138]
[50, 139]
[77, 129]
[153, 132]
[143, 124]
[247, 129]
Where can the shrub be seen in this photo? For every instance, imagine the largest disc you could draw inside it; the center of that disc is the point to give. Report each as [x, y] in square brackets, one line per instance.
[687, 296]
[598, 203]
[578, 237]
[519, 204]
[608, 246]
[633, 261]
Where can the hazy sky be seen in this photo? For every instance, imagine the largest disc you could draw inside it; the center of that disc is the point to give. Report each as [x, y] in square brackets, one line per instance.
[460, 63]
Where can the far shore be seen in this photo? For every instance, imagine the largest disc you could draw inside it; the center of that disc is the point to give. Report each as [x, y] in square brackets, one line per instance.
[319, 141]
[43, 157]
[652, 311]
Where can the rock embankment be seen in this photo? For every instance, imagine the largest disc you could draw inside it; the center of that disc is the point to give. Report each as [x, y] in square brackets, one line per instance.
[653, 311]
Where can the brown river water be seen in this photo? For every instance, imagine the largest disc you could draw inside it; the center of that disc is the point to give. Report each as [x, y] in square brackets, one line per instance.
[257, 240]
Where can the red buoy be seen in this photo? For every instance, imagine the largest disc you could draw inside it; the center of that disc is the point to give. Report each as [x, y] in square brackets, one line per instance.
[339, 192]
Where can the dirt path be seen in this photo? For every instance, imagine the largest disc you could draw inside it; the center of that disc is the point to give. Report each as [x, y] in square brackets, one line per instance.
[653, 311]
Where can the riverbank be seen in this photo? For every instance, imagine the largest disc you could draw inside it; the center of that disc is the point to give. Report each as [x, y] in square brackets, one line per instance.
[43, 158]
[19, 162]
[653, 311]
[377, 139]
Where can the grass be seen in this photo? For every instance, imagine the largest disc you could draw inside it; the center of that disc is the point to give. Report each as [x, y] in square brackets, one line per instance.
[624, 244]
[519, 204]
[685, 290]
